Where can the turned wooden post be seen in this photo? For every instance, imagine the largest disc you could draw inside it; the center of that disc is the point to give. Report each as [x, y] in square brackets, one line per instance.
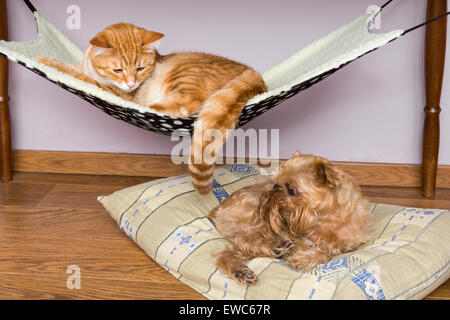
[435, 48]
[5, 126]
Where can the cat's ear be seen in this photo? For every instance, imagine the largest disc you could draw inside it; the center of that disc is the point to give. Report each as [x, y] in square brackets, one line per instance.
[100, 44]
[150, 39]
[100, 41]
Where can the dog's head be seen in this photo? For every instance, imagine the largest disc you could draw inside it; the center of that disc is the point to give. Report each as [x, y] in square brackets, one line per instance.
[304, 188]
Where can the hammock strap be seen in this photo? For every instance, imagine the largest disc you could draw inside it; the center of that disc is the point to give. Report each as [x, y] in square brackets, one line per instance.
[30, 6]
[384, 5]
[425, 23]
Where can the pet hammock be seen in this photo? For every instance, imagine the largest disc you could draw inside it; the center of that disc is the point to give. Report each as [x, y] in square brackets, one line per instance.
[305, 68]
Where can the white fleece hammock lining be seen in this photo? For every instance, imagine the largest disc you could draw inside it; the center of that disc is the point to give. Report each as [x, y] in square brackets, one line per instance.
[303, 69]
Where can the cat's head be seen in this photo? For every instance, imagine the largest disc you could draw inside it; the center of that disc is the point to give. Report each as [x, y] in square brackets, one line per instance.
[123, 56]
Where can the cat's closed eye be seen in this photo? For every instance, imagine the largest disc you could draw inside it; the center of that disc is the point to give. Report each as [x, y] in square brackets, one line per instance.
[118, 70]
[140, 69]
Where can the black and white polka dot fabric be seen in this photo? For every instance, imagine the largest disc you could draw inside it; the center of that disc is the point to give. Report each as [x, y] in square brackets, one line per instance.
[165, 124]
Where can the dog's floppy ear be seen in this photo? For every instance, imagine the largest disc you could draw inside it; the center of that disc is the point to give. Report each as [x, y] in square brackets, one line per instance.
[326, 175]
[268, 211]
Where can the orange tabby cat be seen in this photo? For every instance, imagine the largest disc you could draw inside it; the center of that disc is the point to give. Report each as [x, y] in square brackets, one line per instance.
[118, 59]
[217, 88]
[123, 60]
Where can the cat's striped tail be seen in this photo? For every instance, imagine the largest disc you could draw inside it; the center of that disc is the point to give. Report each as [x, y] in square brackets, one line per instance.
[217, 118]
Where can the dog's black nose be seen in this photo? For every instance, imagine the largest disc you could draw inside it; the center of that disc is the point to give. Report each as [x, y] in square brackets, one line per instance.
[276, 186]
[290, 191]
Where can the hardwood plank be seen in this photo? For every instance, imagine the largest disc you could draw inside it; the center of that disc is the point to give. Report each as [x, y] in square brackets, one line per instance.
[388, 174]
[98, 247]
[51, 178]
[77, 196]
[96, 163]
[37, 286]
[376, 174]
[61, 178]
[410, 197]
[60, 223]
[118, 259]
[121, 181]
[49, 240]
[441, 293]
[23, 194]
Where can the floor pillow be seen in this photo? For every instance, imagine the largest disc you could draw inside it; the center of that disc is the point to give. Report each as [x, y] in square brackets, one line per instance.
[407, 256]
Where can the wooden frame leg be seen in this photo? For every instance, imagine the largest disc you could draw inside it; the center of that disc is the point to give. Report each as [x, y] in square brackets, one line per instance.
[5, 145]
[435, 49]
[5, 124]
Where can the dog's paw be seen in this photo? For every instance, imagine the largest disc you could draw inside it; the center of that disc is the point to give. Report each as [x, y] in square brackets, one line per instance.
[283, 250]
[245, 276]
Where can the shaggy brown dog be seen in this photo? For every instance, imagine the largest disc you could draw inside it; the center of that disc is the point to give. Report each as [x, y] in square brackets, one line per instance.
[307, 213]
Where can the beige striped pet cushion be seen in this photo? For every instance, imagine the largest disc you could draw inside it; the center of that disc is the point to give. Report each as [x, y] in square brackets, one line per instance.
[407, 257]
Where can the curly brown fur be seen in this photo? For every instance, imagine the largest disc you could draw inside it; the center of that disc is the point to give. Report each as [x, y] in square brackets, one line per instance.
[307, 213]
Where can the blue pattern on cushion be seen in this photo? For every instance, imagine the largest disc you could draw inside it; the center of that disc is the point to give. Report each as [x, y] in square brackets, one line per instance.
[369, 285]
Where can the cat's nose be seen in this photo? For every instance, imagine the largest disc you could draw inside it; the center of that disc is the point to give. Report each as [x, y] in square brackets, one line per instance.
[130, 84]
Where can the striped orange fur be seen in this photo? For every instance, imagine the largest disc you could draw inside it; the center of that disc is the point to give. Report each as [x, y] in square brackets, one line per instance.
[214, 87]
[123, 60]
[118, 59]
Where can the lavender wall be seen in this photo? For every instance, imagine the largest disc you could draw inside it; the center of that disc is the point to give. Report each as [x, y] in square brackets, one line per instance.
[369, 111]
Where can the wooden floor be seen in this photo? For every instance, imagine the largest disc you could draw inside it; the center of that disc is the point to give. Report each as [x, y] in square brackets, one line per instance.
[49, 222]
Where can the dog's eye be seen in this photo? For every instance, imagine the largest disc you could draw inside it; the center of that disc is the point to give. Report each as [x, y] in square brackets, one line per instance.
[290, 191]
